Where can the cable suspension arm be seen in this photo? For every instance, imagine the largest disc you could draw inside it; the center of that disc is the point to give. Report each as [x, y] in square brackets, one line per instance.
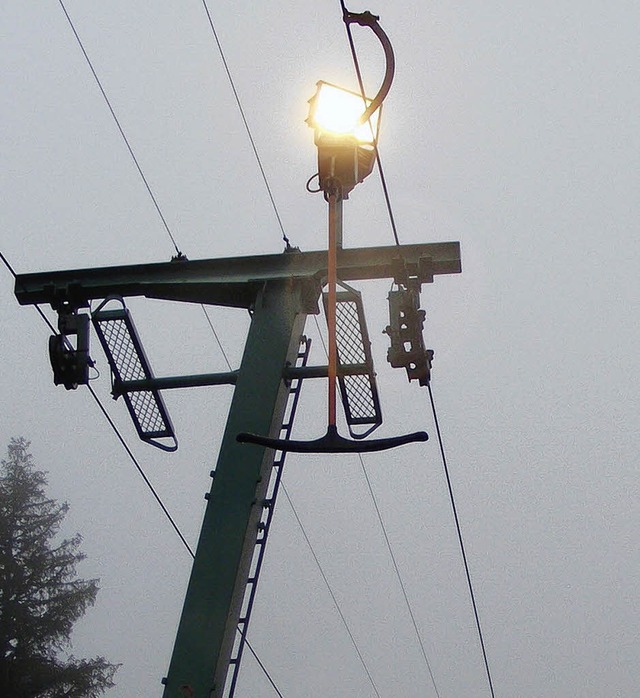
[366, 19]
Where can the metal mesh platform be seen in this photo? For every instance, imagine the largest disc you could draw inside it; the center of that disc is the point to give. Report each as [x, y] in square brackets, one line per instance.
[356, 377]
[128, 362]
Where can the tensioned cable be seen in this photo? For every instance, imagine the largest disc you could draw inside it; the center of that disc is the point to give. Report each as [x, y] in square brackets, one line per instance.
[333, 596]
[215, 334]
[324, 345]
[383, 179]
[136, 162]
[317, 561]
[107, 416]
[122, 133]
[395, 235]
[393, 558]
[139, 468]
[246, 123]
[461, 542]
[398, 575]
[260, 664]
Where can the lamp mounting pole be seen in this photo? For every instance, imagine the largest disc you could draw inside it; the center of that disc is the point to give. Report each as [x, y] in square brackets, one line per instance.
[334, 198]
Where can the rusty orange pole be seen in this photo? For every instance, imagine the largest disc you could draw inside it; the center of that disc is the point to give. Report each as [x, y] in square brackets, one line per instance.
[332, 280]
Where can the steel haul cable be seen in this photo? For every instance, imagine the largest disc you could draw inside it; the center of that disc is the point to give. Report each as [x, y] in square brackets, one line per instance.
[179, 254]
[333, 596]
[391, 553]
[246, 123]
[440, 441]
[399, 576]
[383, 179]
[122, 133]
[461, 542]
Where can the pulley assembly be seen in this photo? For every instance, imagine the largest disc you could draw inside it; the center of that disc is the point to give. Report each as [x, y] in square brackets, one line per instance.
[70, 363]
[406, 322]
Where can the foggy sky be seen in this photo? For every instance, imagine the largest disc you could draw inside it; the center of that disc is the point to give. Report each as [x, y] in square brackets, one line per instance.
[511, 127]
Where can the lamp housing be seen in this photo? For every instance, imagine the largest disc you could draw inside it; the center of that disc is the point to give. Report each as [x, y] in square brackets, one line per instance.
[346, 145]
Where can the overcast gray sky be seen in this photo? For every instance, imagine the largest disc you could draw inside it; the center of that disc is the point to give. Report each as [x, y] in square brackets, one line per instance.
[512, 127]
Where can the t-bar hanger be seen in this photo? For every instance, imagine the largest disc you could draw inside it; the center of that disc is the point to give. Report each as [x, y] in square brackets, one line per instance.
[332, 442]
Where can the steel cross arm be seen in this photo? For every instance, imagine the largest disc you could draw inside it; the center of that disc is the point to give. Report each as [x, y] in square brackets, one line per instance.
[229, 378]
[235, 281]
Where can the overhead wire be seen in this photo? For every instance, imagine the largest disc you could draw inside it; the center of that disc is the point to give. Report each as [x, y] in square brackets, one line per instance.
[391, 554]
[383, 179]
[390, 550]
[134, 460]
[331, 593]
[399, 576]
[215, 334]
[179, 256]
[246, 123]
[129, 147]
[260, 664]
[122, 133]
[440, 441]
[461, 542]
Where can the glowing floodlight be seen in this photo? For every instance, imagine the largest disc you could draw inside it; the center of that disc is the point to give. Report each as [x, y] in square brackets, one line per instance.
[346, 123]
[346, 143]
[336, 114]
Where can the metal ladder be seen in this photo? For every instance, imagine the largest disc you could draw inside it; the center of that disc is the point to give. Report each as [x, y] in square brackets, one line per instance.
[268, 507]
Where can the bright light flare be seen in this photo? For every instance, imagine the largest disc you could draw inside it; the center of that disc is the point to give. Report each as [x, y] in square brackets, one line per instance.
[336, 111]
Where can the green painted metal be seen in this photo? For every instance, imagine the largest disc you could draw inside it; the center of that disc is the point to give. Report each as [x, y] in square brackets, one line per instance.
[280, 290]
[235, 281]
[218, 579]
[202, 380]
[171, 382]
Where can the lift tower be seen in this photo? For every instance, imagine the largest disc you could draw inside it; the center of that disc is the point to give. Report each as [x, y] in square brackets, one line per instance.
[280, 291]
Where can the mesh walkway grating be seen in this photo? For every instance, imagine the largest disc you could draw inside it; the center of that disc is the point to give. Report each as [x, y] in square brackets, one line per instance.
[128, 362]
[356, 376]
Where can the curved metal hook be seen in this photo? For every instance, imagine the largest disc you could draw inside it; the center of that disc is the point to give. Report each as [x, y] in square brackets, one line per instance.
[366, 19]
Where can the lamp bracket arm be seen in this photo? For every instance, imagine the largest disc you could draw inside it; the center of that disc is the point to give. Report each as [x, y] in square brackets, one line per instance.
[367, 19]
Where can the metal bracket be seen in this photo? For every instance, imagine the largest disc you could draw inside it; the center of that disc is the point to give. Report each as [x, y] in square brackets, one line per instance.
[128, 362]
[358, 390]
[405, 331]
[70, 364]
[366, 19]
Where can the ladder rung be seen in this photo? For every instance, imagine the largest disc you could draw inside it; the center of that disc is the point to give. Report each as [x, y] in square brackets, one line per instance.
[268, 508]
